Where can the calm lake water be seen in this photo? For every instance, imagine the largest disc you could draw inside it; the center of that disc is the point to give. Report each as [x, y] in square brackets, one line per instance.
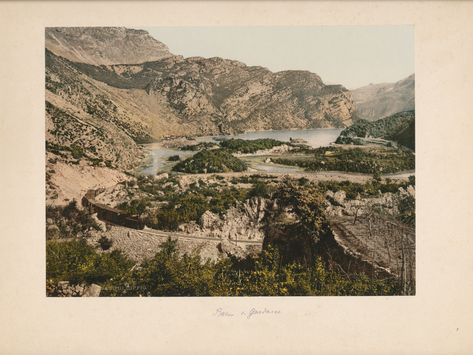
[315, 138]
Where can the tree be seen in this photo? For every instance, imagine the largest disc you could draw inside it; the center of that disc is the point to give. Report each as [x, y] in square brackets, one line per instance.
[134, 207]
[169, 275]
[299, 223]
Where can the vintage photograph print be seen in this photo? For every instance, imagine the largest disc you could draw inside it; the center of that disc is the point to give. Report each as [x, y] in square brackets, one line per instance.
[230, 161]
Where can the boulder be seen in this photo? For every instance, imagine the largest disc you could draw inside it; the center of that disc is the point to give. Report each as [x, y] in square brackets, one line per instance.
[161, 176]
[92, 291]
[233, 250]
[189, 228]
[210, 221]
[63, 285]
[340, 196]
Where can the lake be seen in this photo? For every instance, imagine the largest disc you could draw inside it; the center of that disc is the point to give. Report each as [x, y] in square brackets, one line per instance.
[314, 137]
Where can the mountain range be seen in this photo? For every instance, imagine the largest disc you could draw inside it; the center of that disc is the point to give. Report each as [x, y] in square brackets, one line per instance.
[109, 89]
[107, 84]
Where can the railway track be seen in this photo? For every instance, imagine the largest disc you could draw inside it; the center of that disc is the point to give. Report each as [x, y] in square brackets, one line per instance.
[159, 233]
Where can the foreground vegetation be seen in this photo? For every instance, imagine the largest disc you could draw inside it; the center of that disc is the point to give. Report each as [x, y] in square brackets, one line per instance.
[167, 274]
[292, 263]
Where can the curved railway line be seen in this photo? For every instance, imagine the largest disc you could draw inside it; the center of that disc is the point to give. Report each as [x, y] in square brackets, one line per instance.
[123, 219]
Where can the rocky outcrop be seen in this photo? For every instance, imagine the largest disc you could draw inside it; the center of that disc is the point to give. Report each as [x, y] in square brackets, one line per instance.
[359, 207]
[242, 222]
[366, 238]
[66, 182]
[376, 101]
[63, 289]
[105, 45]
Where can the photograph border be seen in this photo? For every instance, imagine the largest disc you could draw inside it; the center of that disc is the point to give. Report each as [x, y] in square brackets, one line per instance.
[436, 320]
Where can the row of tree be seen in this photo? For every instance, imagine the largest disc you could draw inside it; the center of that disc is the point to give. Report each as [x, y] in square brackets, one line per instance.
[249, 146]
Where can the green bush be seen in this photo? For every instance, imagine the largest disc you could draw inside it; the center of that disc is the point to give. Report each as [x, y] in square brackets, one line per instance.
[78, 263]
[137, 206]
[174, 158]
[105, 243]
[261, 189]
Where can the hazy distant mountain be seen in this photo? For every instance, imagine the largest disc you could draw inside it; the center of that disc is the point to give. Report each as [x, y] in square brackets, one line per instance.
[376, 101]
[105, 45]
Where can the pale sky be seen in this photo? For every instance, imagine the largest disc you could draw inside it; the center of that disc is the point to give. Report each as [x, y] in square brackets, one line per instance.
[353, 56]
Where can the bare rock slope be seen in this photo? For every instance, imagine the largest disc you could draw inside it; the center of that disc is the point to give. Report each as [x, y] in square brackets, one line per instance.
[105, 45]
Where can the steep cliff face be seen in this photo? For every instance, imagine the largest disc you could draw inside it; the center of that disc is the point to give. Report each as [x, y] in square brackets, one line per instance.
[132, 111]
[105, 45]
[377, 101]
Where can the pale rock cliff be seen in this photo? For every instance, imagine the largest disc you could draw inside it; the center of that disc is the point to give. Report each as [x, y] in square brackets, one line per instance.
[105, 45]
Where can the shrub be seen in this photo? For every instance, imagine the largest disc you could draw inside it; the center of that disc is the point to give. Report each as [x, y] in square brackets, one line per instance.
[105, 243]
[174, 158]
[77, 151]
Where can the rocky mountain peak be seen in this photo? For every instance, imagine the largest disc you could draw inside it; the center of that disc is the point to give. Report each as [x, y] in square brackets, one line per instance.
[105, 45]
